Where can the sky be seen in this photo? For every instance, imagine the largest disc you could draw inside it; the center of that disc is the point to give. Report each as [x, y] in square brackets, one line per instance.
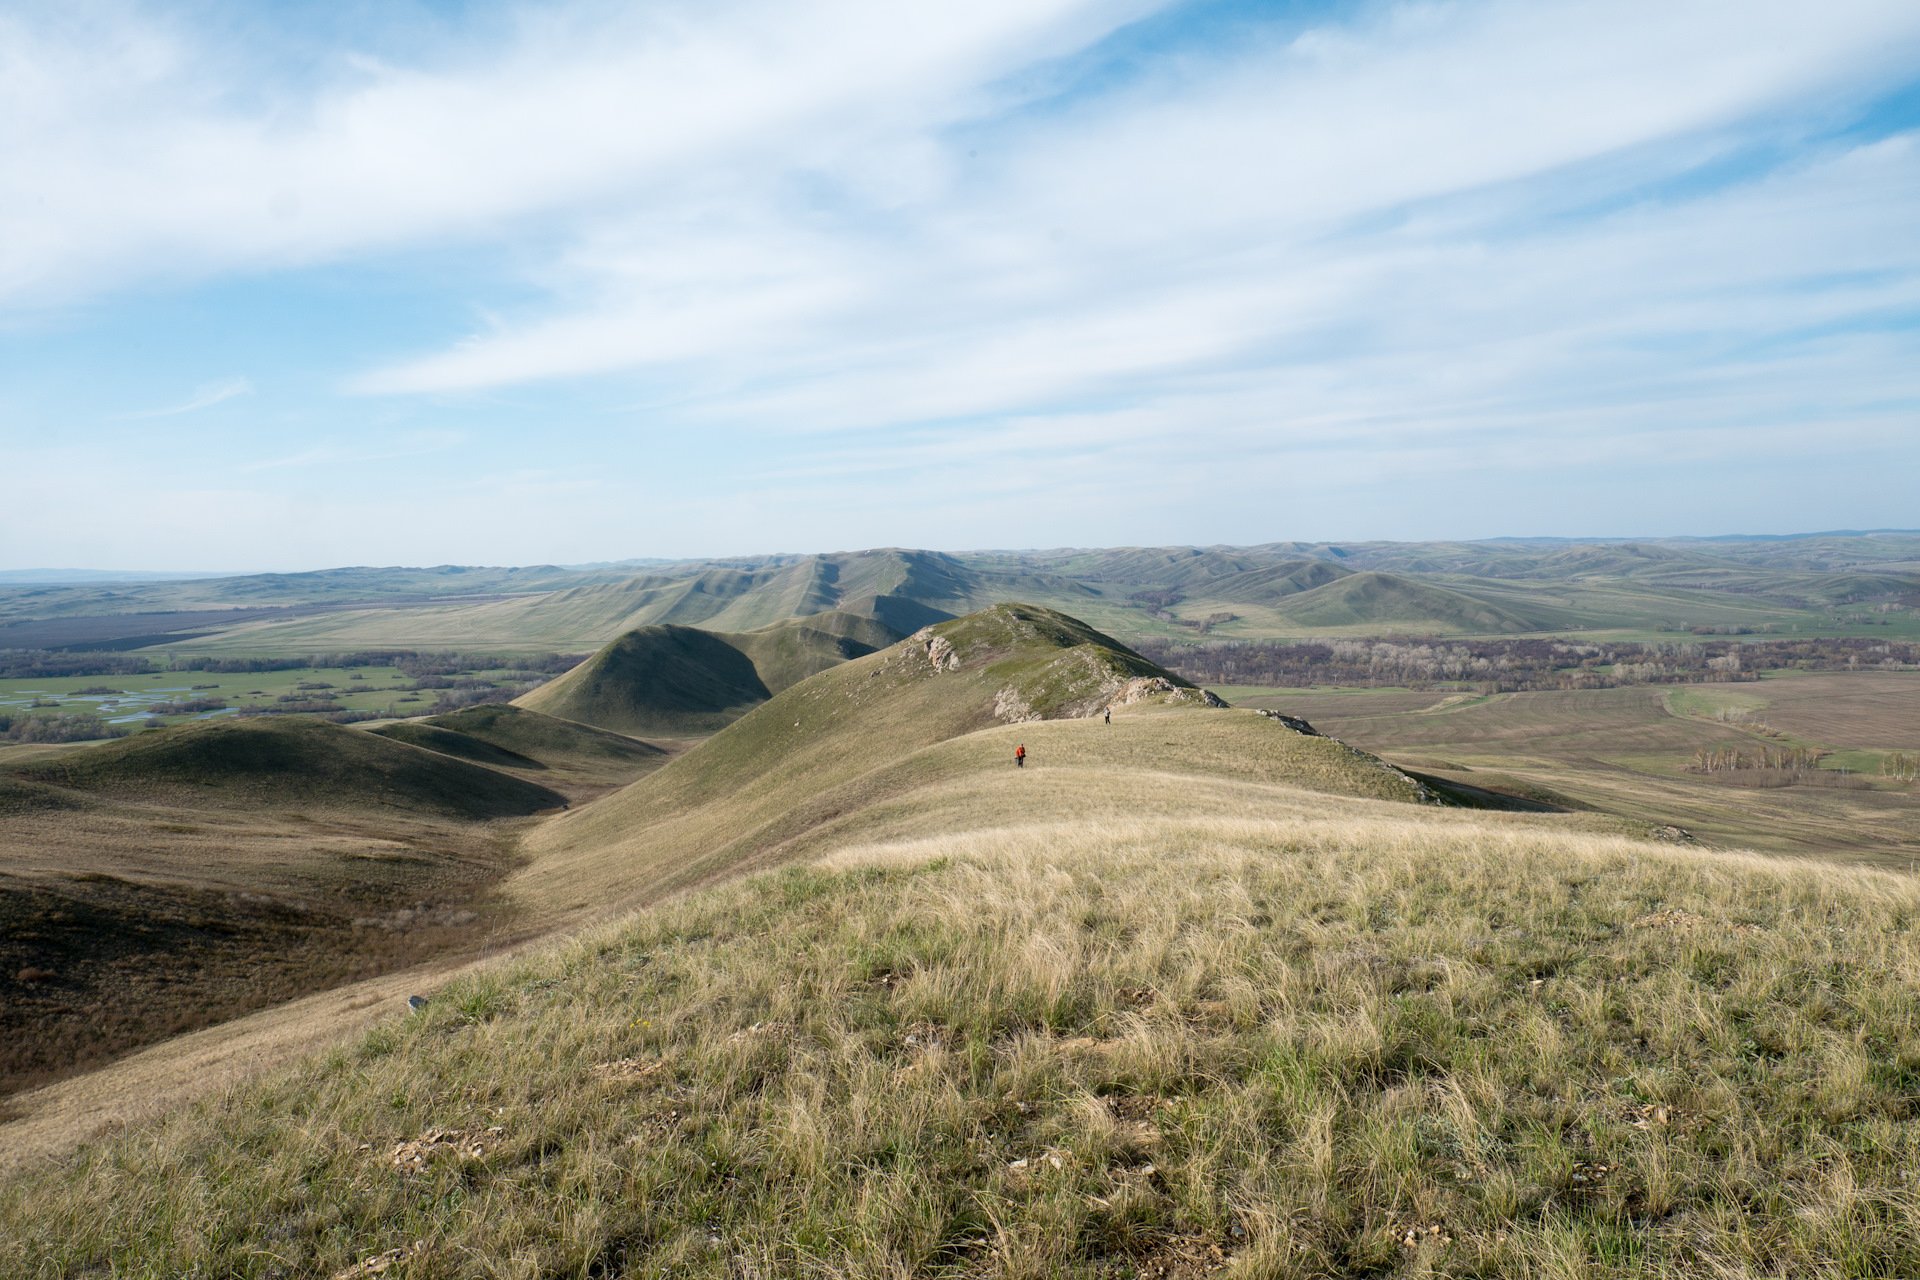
[391, 282]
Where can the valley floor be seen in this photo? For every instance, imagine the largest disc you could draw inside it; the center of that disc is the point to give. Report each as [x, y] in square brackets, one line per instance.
[1631, 752]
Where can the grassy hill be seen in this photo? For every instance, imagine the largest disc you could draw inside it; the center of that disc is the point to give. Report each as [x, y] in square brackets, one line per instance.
[1791, 583]
[576, 760]
[450, 742]
[673, 681]
[1270, 583]
[1140, 1012]
[553, 742]
[945, 707]
[900, 589]
[1193, 993]
[1391, 602]
[290, 760]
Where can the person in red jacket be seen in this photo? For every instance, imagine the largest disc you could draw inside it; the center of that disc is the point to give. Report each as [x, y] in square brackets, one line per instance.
[1020, 756]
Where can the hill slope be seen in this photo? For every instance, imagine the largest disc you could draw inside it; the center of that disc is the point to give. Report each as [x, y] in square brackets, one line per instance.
[1185, 1025]
[290, 760]
[1390, 602]
[945, 706]
[673, 681]
[578, 760]
[554, 742]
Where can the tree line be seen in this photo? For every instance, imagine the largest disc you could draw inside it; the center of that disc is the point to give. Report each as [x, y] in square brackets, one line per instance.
[1516, 665]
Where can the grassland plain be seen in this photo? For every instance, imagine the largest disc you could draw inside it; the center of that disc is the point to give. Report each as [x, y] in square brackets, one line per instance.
[1628, 751]
[134, 701]
[1358, 1038]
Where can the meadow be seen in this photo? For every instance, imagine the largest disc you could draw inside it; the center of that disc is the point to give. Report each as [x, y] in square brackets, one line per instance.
[1630, 751]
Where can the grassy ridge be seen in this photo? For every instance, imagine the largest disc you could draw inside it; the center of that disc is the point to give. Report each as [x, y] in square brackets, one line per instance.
[578, 760]
[450, 742]
[552, 741]
[289, 760]
[1828, 585]
[1298, 1042]
[1375, 599]
[820, 749]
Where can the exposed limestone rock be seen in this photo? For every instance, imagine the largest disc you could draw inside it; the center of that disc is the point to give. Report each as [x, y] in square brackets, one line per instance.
[1294, 723]
[1010, 708]
[939, 651]
[942, 654]
[1159, 689]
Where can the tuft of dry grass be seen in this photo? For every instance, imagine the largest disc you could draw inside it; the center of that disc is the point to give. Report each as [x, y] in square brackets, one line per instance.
[1276, 1041]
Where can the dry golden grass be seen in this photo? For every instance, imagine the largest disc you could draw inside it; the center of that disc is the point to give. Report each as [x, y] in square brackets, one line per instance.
[1298, 1037]
[706, 817]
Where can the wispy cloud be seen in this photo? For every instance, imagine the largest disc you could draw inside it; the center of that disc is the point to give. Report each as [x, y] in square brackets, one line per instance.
[413, 444]
[883, 273]
[204, 396]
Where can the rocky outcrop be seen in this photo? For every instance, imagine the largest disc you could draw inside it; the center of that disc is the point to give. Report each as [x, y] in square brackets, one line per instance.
[1160, 689]
[1294, 723]
[938, 650]
[1422, 794]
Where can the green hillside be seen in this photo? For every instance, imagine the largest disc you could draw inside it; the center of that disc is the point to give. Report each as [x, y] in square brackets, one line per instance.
[450, 743]
[1390, 602]
[1192, 993]
[674, 681]
[1271, 583]
[290, 760]
[1497, 586]
[552, 741]
[577, 760]
[900, 589]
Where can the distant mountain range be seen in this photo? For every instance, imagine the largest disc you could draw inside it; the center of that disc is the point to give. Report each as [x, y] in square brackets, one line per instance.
[1807, 583]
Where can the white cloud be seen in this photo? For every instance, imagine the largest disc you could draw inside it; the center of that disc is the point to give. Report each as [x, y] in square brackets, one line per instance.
[863, 239]
[204, 396]
[1200, 219]
[138, 164]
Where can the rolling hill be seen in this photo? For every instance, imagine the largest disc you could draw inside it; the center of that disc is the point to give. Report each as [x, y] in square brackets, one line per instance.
[549, 741]
[1802, 583]
[1391, 602]
[672, 681]
[899, 589]
[1192, 994]
[290, 760]
[947, 704]
[181, 877]
[576, 760]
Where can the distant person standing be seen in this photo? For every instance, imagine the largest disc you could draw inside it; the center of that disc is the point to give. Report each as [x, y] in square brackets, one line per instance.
[1109, 716]
[1020, 756]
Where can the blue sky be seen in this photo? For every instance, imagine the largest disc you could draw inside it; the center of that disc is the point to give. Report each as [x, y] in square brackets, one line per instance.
[300, 285]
